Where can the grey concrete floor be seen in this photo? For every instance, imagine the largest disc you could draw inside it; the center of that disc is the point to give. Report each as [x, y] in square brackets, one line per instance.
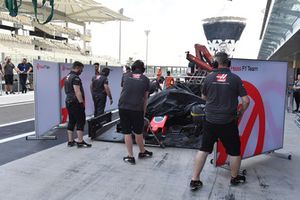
[62, 173]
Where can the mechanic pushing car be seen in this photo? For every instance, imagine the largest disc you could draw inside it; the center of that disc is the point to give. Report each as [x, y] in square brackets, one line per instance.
[221, 90]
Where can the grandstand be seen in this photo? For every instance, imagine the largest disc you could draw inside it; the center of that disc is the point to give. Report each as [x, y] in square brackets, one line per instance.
[23, 36]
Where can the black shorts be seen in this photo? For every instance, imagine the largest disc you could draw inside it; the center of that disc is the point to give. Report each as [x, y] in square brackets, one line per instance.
[76, 116]
[9, 79]
[228, 134]
[131, 121]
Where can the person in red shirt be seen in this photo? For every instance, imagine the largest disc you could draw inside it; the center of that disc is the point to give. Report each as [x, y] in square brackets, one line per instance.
[169, 80]
[158, 74]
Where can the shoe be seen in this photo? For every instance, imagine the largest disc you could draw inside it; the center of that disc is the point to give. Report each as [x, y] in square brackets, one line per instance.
[195, 185]
[6, 93]
[295, 111]
[237, 180]
[12, 92]
[83, 144]
[129, 160]
[146, 154]
[71, 144]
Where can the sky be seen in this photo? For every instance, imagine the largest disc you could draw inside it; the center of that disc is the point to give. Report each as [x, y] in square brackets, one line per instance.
[175, 26]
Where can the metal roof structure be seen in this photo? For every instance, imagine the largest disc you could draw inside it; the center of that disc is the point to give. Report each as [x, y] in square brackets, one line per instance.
[74, 11]
[281, 31]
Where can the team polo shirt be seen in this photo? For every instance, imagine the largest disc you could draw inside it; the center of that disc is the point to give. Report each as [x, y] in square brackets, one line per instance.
[222, 89]
[98, 83]
[134, 86]
[72, 79]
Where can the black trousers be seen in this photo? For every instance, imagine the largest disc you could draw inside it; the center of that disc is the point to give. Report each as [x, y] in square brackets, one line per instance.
[23, 79]
[99, 104]
[297, 99]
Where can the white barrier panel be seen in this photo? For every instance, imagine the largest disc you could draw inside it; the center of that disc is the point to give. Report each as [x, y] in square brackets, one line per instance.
[114, 82]
[86, 77]
[46, 95]
[262, 126]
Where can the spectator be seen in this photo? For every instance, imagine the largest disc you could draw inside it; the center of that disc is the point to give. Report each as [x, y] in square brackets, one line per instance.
[169, 80]
[132, 108]
[24, 69]
[296, 93]
[30, 77]
[100, 91]
[221, 90]
[9, 68]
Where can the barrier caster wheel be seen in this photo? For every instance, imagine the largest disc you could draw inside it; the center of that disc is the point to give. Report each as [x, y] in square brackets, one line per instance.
[290, 157]
[162, 145]
[211, 161]
[244, 172]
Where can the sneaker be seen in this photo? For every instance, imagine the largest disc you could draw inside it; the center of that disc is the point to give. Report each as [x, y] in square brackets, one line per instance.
[71, 144]
[129, 160]
[83, 144]
[195, 185]
[237, 180]
[146, 154]
[6, 93]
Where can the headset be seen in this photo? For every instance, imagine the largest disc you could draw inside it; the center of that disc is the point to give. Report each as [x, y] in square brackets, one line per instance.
[138, 65]
[224, 56]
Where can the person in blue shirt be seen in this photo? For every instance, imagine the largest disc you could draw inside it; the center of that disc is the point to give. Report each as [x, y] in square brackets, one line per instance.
[24, 69]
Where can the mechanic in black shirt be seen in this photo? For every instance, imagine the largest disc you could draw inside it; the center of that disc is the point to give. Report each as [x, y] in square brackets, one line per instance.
[75, 105]
[155, 85]
[100, 90]
[132, 108]
[221, 90]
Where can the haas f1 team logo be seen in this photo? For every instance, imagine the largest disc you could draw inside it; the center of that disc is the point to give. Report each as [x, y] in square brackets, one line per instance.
[221, 78]
[258, 112]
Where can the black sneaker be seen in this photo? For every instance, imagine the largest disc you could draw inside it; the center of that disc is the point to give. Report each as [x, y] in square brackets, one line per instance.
[146, 154]
[129, 160]
[237, 180]
[83, 144]
[71, 144]
[195, 185]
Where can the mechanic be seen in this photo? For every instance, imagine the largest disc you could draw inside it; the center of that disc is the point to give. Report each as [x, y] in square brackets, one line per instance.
[169, 80]
[155, 85]
[221, 90]
[132, 108]
[75, 105]
[100, 91]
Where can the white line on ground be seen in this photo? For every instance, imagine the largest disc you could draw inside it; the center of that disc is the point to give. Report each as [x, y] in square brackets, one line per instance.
[16, 104]
[17, 137]
[17, 122]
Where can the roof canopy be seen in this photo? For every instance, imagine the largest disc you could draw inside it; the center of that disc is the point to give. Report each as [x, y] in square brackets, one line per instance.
[281, 29]
[75, 11]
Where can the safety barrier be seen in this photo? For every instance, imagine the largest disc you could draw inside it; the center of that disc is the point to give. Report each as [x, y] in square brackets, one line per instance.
[1, 85]
[297, 120]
